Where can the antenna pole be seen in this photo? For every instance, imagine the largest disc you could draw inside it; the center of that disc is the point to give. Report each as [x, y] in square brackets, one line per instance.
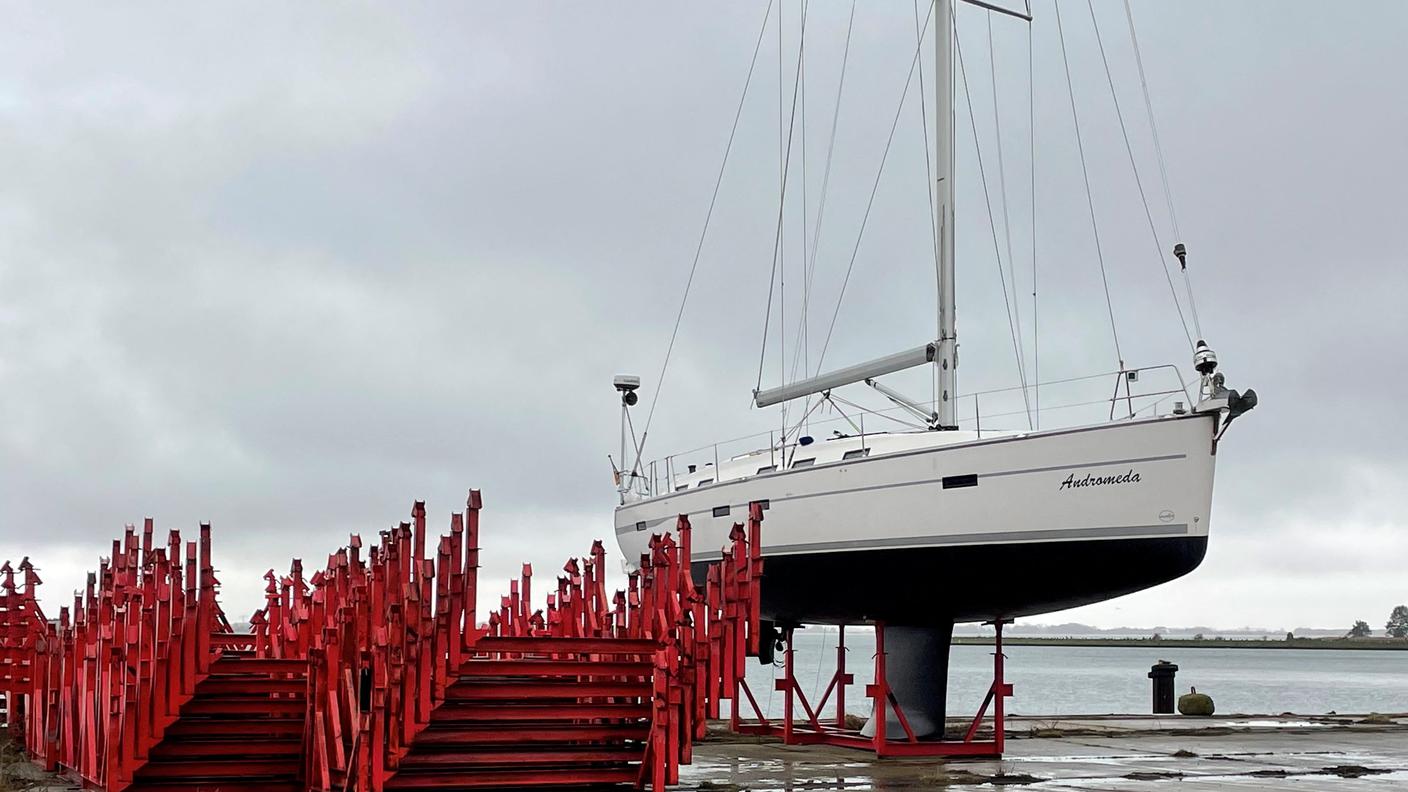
[947, 360]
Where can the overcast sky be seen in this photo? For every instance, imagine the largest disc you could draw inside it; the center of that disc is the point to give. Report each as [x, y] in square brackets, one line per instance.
[289, 268]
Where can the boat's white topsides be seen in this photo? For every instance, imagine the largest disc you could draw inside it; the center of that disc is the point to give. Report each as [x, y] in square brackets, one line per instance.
[1121, 480]
[820, 452]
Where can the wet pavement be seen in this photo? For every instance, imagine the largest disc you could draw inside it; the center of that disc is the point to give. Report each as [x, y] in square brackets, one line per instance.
[1107, 754]
[1065, 754]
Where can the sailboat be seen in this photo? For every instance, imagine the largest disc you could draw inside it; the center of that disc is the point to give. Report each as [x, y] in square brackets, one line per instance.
[943, 524]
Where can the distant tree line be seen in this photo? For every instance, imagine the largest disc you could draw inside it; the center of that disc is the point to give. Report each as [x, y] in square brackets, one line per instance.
[1397, 626]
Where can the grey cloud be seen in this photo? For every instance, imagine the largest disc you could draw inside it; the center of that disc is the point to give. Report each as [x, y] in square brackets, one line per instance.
[288, 270]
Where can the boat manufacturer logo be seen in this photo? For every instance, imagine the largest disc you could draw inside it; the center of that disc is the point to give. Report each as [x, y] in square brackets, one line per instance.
[1091, 480]
[1166, 516]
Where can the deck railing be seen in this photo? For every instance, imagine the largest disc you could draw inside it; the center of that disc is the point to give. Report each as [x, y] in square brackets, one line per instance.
[1095, 398]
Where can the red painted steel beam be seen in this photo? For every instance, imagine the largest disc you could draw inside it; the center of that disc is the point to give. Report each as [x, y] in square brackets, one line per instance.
[360, 657]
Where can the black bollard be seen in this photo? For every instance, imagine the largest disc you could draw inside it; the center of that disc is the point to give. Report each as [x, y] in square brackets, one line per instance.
[1162, 673]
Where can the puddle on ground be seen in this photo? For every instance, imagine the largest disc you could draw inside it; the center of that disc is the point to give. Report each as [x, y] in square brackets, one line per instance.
[1107, 770]
[1320, 778]
[1274, 724]
[1083, 758]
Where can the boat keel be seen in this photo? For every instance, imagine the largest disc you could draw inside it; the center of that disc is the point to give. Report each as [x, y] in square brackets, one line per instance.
[916, 667]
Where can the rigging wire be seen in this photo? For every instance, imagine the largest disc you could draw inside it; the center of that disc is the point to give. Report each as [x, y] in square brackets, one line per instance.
[1105, 375]
[820, 661]
[777, 237]
[800, 349]
[929, 181]
[1159, 155]
[1134, 168]
[992, 224]
[804, 329]
[801, 354]
[908, 424]
[1153, 128]
[1090, 201]
[780, 246]
[1006, 219]
[870, 203]
[799, 84]
[704, 232]
[1031, 158]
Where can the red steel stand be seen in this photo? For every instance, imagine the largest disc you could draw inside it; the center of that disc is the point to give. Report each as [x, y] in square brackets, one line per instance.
[408, 691]
[374, 673]
[99, 687]
[813, 730]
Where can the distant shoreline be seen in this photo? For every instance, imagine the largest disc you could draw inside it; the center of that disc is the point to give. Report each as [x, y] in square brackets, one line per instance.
[1191, 643]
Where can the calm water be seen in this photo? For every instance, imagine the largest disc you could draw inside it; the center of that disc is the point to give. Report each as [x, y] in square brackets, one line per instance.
[1071, 680]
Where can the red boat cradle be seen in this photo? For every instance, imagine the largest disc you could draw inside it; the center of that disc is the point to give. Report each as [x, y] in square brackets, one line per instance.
[375, 672]
[812, 730]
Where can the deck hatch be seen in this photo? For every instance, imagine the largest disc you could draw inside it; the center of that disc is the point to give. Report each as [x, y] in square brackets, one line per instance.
[957, 482]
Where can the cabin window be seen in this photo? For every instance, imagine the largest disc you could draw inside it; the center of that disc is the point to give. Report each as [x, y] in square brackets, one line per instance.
[720, 511]
[856, 453]
[640, 526]
[765, 503]
[681, 488]
[767, 469]
[808, 462]
[956, 482]
[705, 481]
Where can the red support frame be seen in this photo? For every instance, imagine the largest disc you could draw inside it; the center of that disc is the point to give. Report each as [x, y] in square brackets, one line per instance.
[375, 645]
[99, 686]
[812, 730]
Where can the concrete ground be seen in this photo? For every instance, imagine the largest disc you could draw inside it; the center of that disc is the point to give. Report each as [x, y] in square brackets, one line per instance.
[1131, 754]
[1104, 753]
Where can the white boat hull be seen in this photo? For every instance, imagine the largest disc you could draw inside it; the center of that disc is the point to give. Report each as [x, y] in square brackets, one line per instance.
[990, 528]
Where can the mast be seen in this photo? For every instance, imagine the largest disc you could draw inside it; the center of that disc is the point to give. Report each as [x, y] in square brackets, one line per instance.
[947, 360]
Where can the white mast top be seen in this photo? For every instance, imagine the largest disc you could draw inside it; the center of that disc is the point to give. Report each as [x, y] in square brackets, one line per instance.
[947, 360]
